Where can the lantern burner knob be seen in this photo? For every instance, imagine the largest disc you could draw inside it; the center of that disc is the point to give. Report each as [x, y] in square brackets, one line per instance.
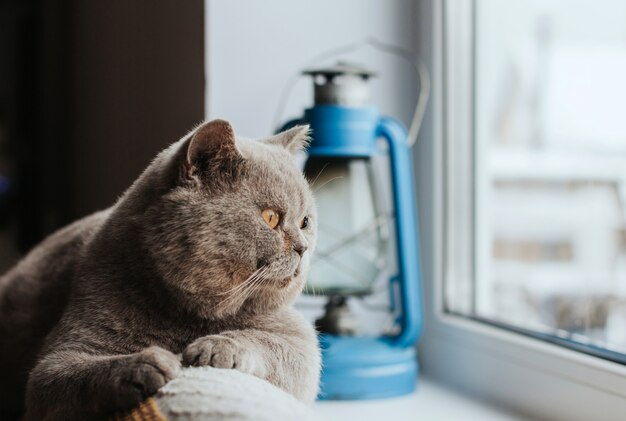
[337, 318]
[343, 84]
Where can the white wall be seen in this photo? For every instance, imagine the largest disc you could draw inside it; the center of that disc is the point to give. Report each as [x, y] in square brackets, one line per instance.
[254, 48]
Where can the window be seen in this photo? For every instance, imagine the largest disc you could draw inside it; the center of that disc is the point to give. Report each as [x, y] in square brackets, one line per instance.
[499, 190]
[537, 195]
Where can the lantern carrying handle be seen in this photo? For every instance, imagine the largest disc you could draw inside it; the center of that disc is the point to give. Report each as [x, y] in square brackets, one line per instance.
[406, 230]
[421, 72]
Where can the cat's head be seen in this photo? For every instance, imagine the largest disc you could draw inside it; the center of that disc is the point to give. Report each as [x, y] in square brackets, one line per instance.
[236, 230]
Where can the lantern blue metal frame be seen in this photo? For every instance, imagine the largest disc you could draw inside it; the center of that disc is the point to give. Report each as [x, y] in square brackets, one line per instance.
[364, 367]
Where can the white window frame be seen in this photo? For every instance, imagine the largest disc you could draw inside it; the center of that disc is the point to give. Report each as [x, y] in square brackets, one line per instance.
[532, 377]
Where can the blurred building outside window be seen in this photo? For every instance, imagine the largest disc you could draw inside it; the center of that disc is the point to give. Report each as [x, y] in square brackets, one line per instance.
[548, 244]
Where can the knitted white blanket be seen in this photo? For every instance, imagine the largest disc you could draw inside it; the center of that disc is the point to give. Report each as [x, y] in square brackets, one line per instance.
[207, 393]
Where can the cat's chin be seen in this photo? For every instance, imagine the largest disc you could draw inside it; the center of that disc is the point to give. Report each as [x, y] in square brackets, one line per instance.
[296, 273]
[284, 282]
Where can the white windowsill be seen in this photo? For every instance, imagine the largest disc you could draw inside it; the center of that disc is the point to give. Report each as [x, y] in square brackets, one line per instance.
[431, 401]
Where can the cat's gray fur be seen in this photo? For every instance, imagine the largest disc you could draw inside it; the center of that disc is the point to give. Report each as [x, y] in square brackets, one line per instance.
[97, 311]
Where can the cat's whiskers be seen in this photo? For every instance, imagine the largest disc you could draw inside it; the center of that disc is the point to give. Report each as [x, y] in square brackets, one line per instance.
[332, 179]
[243, 288]
[314, 292]
[241, 284]
[252, 288]
[319, 173]
[233, 294]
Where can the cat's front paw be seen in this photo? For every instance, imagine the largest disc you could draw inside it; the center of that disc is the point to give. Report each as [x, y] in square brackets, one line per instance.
[140, 375]
[223, 352]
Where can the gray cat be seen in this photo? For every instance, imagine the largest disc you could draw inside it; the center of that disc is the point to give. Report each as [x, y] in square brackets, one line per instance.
[203, 255]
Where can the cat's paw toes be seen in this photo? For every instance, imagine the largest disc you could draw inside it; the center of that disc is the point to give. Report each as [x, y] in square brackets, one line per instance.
[214, 350]
[221, 352]
[166, 365]
[144, 374]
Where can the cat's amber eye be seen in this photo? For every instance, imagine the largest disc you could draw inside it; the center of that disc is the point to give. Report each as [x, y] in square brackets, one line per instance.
[304, 223]
[271, 217]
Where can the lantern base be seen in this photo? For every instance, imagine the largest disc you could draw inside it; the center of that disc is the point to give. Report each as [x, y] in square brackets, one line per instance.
[365, 368]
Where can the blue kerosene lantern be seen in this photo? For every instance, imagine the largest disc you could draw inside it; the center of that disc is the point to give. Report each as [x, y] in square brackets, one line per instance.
[358, 247]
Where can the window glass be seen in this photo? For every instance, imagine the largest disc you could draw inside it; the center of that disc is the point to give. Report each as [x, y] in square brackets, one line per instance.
[548, 211]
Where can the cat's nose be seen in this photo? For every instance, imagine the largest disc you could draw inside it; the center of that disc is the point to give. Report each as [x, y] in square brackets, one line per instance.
[300, 248]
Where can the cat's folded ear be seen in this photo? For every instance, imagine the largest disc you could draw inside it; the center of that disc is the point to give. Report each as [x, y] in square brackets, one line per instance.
[211, 153]
[294, 140]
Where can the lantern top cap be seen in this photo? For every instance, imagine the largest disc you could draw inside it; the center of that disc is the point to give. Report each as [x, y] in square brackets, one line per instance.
[343, 84]
[341, 68]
